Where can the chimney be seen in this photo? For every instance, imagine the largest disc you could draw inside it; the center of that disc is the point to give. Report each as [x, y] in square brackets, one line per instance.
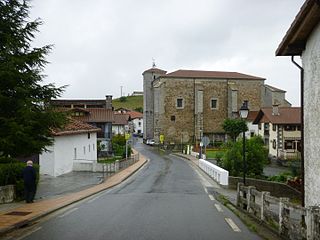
[109, 102]
[275, 109]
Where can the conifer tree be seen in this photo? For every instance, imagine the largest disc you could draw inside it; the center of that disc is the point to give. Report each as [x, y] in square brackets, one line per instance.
[25, 113]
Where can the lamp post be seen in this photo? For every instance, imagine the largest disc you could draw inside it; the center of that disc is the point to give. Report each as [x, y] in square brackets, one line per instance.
[243, 111]
[201, 144]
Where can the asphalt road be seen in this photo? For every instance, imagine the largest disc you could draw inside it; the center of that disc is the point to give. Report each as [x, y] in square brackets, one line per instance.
[166, 199]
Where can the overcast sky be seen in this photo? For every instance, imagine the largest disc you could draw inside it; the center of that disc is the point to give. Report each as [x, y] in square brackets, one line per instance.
[100, 45]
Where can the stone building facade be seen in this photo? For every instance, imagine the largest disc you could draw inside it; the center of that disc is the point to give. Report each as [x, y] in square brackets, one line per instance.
[189, 104]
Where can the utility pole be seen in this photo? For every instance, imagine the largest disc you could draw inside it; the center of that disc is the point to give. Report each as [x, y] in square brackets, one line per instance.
[121, 91]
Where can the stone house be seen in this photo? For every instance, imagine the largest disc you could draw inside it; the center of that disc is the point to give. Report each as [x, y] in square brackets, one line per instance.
[76, 142]
[303, 39]
[280, 127]
[185, 105]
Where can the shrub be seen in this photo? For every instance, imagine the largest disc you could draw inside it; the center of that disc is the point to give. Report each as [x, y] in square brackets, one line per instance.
[11, 173]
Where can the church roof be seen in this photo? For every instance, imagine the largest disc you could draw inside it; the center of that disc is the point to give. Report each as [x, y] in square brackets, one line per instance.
[210, 74]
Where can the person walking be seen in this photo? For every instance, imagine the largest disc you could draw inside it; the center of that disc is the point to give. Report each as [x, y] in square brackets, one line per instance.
[29, 177]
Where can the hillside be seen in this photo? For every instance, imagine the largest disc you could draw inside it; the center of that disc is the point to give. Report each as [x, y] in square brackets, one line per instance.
[129, 102]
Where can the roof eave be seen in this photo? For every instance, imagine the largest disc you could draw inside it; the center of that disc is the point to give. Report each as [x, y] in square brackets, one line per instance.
[294, 41]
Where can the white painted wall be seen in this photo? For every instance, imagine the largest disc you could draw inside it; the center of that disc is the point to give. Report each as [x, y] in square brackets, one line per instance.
[311, 65]
[252, 128]
[136, 125]
[61, 159]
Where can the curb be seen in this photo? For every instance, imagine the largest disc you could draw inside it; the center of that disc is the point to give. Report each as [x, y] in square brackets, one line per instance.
[22, 223]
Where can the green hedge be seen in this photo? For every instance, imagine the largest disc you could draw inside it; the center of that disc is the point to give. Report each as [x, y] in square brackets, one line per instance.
[11, 174]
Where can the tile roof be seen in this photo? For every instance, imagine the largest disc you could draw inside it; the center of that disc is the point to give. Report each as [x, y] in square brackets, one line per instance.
[74, 127]
[210, 74]
[307, 19]
[134, 114]
[287, 115]
[121, 119]
[252, 115]
[154, 70]
[95, 115]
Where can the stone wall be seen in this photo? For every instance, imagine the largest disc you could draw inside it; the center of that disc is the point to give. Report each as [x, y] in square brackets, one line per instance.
[7, 194]
[275, 188]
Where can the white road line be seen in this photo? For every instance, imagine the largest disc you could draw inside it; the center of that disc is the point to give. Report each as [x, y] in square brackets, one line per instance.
[205, 189]
[211, 197]
[68, 212]
[218, 207]
[93, 199]
[29, 233]
[232, 225]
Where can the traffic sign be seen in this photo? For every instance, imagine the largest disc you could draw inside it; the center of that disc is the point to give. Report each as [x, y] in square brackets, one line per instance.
[205, 140]
[161, 138]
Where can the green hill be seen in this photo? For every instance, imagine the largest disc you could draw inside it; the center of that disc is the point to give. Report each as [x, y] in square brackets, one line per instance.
[129, 102]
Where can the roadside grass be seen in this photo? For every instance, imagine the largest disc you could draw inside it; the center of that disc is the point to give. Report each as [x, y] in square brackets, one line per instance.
[214, 153]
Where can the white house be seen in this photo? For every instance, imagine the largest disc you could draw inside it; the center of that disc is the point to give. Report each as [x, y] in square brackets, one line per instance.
[121, 124]
[137, 122]
[303, 39]
[280, 127]
[77, 142]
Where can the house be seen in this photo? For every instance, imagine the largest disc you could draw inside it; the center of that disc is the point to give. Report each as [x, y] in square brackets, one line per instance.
[253, 129]
[121, 124]
[137, 122]
[185, 105]
[303, 39]
[98, 113]
[77, 141]
[280, 127]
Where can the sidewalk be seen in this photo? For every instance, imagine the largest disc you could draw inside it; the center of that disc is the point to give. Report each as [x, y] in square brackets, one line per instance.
[23, 213]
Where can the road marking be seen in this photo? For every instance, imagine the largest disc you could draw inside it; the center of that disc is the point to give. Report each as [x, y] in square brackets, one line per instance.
[205, 189]
[68, 212]
[29, 233]
[218, 207]
[232, 225]
[211, 197]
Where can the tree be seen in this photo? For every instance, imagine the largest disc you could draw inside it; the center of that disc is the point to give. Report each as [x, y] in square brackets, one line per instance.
[233, 127]
[256, 157]
[26, 117]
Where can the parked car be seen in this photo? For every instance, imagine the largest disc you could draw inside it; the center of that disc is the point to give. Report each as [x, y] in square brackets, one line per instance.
[150, 142]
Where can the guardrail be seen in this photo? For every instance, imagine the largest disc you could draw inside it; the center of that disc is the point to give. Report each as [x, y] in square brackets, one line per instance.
[290, 220]
[217, 173]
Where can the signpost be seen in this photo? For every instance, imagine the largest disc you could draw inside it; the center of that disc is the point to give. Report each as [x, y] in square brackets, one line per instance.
[127, 137]
[205, 140]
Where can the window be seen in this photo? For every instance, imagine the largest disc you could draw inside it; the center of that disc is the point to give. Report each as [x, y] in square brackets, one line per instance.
[173, 118]
[139, 123]
[274, 127]
[274, 144]
[179, 103]
[251, 134]
[259, 125]
[290, 127]
[214, 103]
[88, 135]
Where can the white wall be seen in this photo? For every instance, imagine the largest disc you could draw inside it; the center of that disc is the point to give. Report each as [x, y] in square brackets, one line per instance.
[136, 125]
[61, 160]
[311, 65]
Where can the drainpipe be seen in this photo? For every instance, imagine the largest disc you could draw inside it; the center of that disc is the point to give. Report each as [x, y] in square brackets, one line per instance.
[302, 124]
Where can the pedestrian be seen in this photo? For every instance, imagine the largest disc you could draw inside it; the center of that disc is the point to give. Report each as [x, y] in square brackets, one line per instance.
[29, 177]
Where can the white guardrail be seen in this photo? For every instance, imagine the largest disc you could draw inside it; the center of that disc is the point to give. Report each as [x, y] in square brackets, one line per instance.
[219, 174]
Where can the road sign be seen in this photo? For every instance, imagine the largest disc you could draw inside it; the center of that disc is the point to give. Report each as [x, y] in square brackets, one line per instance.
[205, 141]
[161, 138]
[127, 136]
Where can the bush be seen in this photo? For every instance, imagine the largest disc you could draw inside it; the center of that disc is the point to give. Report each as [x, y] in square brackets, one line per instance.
[11, 173]
[119, 146]
[256, 157]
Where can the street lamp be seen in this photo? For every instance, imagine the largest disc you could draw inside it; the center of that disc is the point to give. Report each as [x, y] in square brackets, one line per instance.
[243, 111]
[201, 144]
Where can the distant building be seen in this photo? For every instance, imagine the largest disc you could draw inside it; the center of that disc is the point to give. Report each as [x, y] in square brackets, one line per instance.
[303, 39]
[98, 113]
[187, 104]
[137, 93]
[280, 127]
[121, 124]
